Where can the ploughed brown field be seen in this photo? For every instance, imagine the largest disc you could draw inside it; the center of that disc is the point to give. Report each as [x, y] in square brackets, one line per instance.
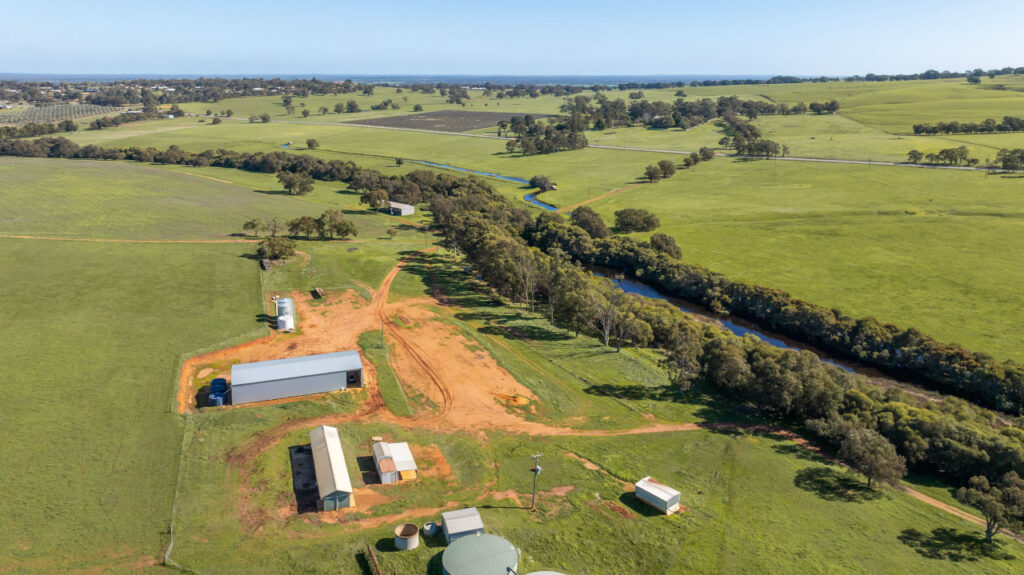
[444, 120]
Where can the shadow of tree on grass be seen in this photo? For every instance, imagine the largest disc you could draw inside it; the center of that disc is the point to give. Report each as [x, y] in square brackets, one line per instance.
[834, 485]
[953, 545]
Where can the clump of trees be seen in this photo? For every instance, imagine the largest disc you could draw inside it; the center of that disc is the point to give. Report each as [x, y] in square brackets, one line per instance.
[989, 126]
[296, 183]
[35, 130]
[947, 156]
[636, 220]
[590, 221]
[543, 183]
[1011, 159]
[1001, 501]
[276, 248]
[534, 137]
[332, 224]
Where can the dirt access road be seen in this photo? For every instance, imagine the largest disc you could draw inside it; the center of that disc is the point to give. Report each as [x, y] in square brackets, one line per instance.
[420, 338]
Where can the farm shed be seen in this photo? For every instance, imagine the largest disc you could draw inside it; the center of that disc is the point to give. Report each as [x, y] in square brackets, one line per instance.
[332, 480]
[394, 462]
[397, 209]
[480, 555]
[657, 495]
[294, 376]
[460, 523]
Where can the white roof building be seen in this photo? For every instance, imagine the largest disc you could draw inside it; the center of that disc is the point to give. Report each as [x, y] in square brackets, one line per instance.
[332, 478]
[394, 461]
[657, 495]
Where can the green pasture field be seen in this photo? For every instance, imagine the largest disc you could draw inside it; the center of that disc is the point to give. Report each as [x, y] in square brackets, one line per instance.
[88, 365]
[847, 226]
[915, 247]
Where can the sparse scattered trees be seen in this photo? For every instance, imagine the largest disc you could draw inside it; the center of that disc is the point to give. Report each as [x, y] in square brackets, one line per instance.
[265, 118]
[305, 113]
[339, 108]
[653, 173]
[914, 157]
[312, 143]
[352, 107]
[323, 110]
[417, 108]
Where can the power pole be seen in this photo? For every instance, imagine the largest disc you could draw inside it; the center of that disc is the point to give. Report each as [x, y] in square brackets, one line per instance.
[536, 471]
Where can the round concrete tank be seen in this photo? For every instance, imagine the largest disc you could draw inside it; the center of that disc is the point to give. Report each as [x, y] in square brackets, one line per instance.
[429, 529]
[407, 536]
[480, 555]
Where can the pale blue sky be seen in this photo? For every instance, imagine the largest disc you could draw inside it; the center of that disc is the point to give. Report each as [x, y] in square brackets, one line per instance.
[509, 37]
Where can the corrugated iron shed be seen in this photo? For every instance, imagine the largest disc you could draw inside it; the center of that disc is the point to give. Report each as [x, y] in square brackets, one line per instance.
[402, 456]
[292, 367]
[329, 461]
[657, 489]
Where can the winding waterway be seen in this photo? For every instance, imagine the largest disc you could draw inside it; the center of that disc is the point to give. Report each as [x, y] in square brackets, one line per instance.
[531, 198]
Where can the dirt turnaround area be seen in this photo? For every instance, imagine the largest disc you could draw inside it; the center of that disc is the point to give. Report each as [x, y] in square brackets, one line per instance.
[444, 120]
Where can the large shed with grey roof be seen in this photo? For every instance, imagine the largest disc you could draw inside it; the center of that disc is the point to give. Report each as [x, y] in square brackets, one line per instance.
[294, 376]
[332, 480]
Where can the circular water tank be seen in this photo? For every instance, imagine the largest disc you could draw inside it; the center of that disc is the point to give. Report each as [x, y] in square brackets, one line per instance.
[480, 555]
[407, 536]
[429, 529]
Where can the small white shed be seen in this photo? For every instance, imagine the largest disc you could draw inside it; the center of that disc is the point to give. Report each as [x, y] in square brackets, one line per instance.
[394, 462]
[461, 523]
[657, 495]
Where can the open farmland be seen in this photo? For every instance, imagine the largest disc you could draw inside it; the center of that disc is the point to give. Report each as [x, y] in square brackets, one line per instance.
[137, 267]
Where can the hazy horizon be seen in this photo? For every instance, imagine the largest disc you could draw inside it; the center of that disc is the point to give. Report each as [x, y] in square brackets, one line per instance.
[595, 38]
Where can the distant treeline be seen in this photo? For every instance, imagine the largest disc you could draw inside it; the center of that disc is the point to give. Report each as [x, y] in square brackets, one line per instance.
[35, 130]
[947, 156]
[1009, 124]
[531, 260]
[601, 112]
[169, 91]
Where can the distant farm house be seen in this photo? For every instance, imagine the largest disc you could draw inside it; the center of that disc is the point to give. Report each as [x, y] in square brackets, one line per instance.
[295, 376]
[332, 480]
